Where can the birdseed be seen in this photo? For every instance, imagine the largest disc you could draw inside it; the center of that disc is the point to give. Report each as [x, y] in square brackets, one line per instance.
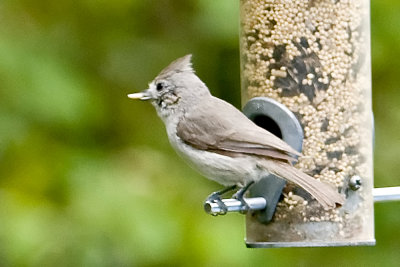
[313, 57]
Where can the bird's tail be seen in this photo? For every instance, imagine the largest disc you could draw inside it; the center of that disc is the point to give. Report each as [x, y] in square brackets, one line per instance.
[322, 192]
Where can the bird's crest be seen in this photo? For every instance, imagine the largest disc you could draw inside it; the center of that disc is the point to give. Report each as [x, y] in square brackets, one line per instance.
[183, 64]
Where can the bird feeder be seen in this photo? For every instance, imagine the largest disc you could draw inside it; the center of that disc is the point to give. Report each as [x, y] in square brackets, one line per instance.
[306, 76]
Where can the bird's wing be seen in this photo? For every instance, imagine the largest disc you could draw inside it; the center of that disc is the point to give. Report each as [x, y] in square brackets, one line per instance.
[219, 127]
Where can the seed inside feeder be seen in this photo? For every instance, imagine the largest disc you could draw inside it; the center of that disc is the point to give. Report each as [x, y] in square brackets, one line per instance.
[313, 57]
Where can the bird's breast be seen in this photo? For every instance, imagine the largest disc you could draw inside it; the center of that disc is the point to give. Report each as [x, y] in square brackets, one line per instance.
[223, 169]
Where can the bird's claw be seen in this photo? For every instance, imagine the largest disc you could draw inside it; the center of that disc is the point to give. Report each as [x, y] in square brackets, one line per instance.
[245, 206]
[216, 198]
[239, 195]
[222, 206]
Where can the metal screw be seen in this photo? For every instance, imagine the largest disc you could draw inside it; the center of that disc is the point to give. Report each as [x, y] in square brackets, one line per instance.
[355, 182]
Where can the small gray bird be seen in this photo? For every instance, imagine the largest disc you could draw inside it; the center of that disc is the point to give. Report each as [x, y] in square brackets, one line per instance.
[220, 141]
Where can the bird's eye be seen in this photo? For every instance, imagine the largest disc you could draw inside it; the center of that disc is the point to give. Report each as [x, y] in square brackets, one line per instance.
[159, 86]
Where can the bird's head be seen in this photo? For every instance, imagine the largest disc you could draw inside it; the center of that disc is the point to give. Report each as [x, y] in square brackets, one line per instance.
[175, 89]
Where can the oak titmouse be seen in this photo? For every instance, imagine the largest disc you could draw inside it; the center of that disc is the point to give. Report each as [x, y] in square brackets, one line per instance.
[220, 141]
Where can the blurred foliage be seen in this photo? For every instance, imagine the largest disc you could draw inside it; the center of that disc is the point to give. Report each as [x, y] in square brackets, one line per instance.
[87, 177]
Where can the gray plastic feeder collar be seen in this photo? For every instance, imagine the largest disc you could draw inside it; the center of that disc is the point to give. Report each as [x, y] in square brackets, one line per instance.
[290, 128]
[279, 120]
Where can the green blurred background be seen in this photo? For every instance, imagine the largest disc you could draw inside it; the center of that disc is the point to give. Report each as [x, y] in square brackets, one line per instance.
[87, 177]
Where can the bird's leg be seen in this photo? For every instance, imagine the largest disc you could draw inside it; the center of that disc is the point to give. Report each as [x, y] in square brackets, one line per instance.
[239, 195]
[216, 198]
[217, 195]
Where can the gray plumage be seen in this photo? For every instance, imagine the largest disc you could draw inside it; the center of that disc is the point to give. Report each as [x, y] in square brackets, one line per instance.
[232, 133]
[218, 140]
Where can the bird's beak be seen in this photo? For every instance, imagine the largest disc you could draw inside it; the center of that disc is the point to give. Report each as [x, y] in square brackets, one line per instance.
[145, 95]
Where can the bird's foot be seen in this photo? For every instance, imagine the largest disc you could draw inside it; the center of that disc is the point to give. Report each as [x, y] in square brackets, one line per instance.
[245, 206]
[239, 195]
[215, 197]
